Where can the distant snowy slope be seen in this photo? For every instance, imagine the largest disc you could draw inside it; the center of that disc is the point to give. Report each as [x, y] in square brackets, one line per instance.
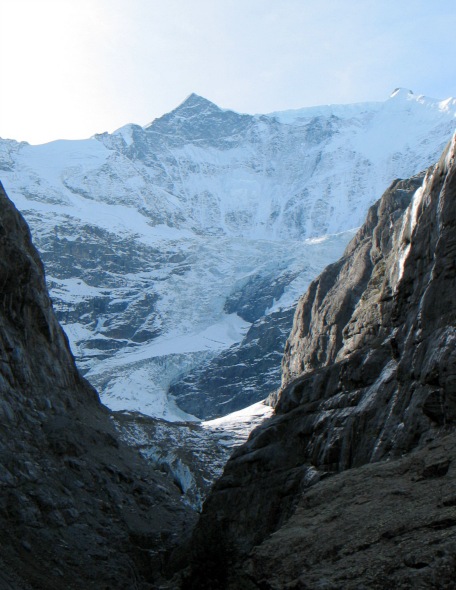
[177, 249]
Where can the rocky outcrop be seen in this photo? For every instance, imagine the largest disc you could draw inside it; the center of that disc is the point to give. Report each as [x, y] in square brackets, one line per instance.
[369, 375]
[385, 525]
[192, 454]
[78, 509]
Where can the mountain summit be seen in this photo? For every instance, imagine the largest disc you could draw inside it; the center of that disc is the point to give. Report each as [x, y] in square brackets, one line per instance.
[193, 105]
[401, 93]
[195, 101]
[198, 119]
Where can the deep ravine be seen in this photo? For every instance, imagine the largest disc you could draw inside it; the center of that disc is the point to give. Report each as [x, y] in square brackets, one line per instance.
[350, 485]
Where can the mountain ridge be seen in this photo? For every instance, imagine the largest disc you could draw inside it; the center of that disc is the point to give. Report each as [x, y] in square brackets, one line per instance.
[136, 227]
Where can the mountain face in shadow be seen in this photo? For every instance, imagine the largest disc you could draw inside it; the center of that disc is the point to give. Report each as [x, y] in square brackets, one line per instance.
[352, 483]
[78, 509]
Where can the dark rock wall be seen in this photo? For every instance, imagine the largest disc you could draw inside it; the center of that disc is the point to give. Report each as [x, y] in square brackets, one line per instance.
[77, 508]
[369, 373]
[385, 525]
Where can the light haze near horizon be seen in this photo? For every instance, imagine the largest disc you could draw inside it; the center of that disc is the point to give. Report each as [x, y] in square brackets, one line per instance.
[73, 68]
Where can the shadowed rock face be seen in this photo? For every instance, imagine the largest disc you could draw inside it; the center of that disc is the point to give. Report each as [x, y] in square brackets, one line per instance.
[369, 374]
[77, 508]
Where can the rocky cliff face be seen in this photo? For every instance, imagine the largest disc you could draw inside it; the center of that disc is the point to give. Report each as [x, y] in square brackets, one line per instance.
[78, 509]
[351, 484]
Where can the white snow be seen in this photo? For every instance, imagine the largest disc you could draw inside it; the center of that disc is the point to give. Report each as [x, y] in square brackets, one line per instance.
[242, 422]
[130, 391]
[449, 159]
[409, 223]
[76, 333]
[50, 160]
[73, 289]
[343, 111]
[126, 132]
[220, 335]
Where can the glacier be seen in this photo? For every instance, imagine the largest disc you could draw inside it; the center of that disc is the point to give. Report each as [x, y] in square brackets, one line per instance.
[175, 252]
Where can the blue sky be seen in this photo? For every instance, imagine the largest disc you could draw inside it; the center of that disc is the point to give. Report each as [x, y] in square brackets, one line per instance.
[72, 68]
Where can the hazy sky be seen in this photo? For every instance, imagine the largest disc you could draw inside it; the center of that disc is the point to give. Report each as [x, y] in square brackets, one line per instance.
[72, 68]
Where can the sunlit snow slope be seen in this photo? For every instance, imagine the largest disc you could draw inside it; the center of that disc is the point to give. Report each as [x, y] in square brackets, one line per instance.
[174, 252]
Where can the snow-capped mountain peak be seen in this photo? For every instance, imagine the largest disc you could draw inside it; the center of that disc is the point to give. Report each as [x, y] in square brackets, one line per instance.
[193, 105]
[198, 120]
[168, 244]
[195, 101]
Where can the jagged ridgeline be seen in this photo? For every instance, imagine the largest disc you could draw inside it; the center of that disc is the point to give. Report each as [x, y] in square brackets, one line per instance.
[78, 509]
[352, 484]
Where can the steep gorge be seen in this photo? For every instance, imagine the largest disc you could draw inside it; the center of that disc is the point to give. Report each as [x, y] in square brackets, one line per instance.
[350, 485]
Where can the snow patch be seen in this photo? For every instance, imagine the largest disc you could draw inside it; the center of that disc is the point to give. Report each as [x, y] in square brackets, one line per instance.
[409, 224]
[242, 422]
